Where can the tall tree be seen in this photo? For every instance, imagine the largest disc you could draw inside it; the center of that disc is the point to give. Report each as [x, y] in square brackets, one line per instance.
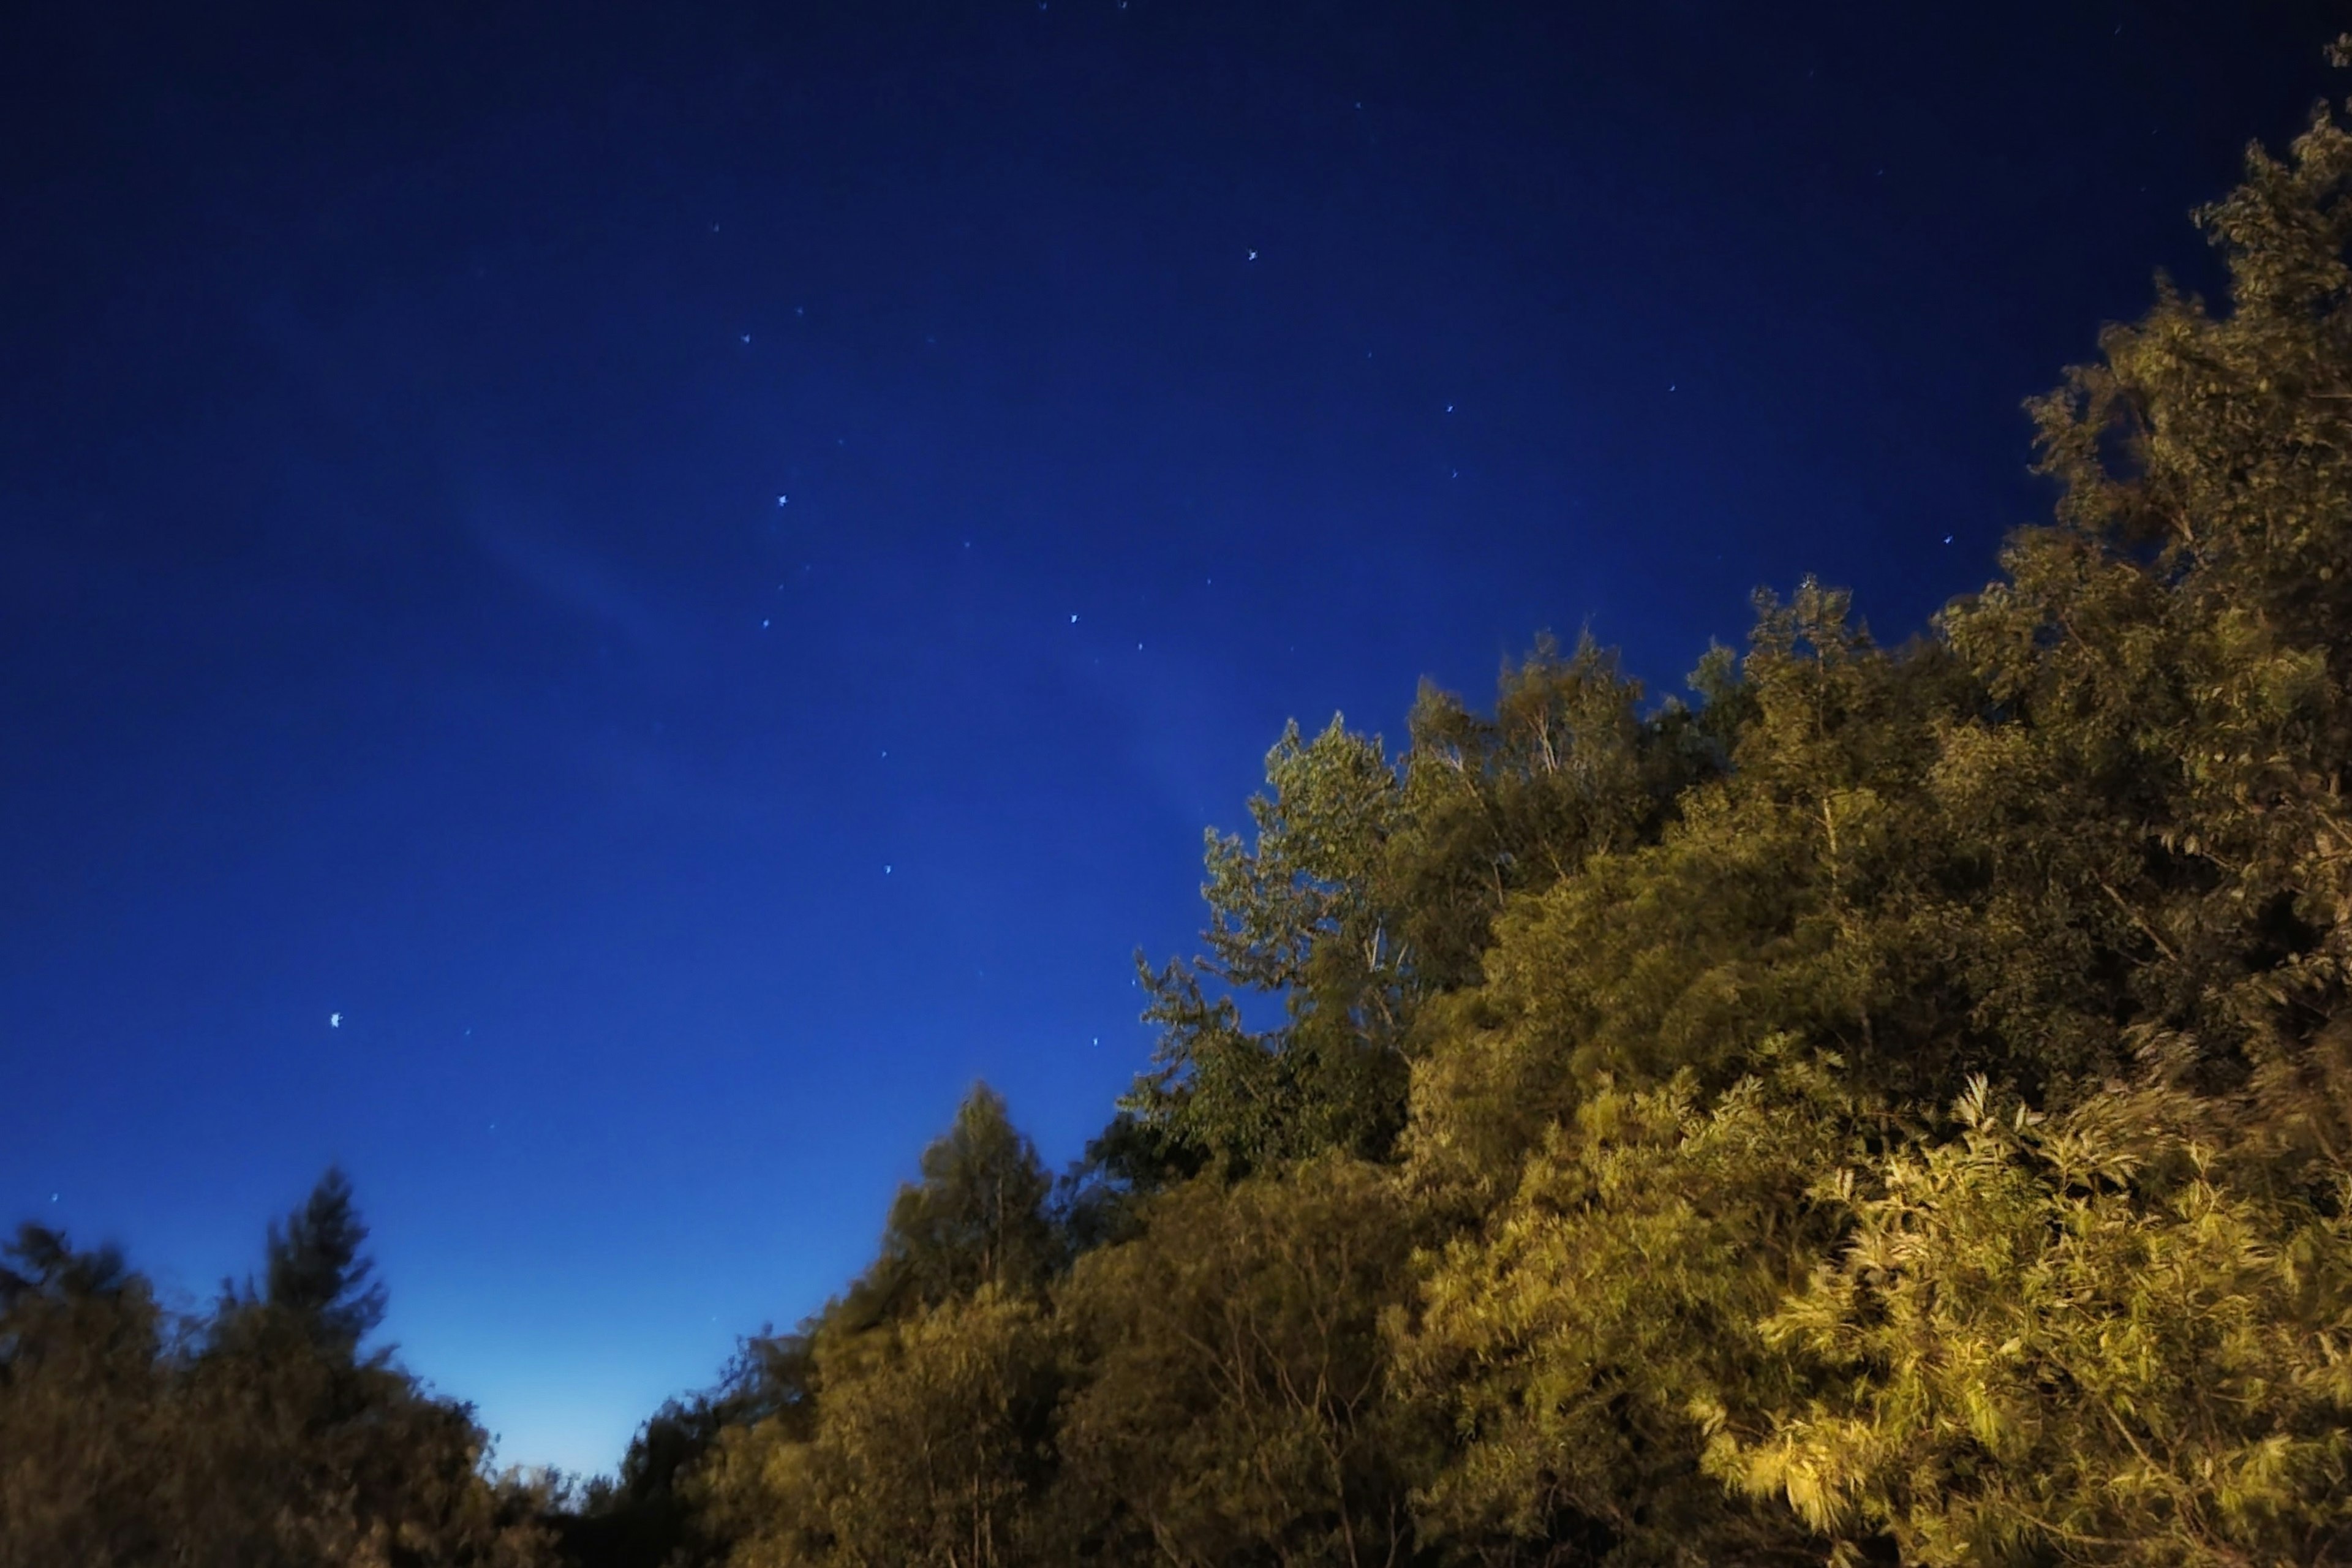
[316, 1272]
[129, 1437]
[1372, 885]
[979, 1216]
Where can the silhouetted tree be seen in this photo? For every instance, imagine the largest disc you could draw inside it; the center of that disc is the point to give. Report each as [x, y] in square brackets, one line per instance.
[316, 1271]
[84, 1432]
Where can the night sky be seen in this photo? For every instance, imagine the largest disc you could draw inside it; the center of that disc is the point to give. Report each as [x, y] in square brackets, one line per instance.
[603, 608]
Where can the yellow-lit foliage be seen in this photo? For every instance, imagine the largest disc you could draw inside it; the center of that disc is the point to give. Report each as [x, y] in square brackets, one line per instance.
[2066, 1341]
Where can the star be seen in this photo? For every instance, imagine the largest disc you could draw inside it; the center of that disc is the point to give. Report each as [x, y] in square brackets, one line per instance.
[1253, 256]
[747, 337]
[334, 1020]
[1073, 620]
[781, 499]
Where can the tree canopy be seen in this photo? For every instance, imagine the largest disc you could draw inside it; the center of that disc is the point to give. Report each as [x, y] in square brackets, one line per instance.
[249, 1437]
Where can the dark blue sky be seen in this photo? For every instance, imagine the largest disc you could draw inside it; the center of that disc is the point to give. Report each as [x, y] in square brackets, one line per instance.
[403, 615]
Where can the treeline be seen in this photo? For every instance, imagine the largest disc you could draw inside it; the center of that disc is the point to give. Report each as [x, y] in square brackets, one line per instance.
[253, 1435]
[1893, 1107]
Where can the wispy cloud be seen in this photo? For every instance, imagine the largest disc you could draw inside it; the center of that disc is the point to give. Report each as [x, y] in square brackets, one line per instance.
[585, 585]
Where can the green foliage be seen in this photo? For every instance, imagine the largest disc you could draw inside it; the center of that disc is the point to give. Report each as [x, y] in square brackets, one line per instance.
[979, 1216]
[931, 1441]
[1234, 1403]
[1296, 917]
[650, 1515]
[907, 1421]
[81, 1374]
[2171, 656]
[298, 1455]
[250, 1441]
[1814, 892]
[1567, 1338]
[1370, 887]
[2067, 1342]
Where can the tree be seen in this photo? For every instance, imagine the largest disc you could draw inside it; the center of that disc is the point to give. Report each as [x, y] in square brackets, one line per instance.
[2120, 1335]
[2067, 1343]
[1296, 916]
[1372, 886]
[1565, 1341]
[128, 1436]
[298, 1455]
[82, 1371]
[293, 1449]
[655, 1513]
[2173, 653]
[316, 1272]
[767, 1467]
[1781, 900]
[978, 1216]
[1233, 1402]
[930, 1444]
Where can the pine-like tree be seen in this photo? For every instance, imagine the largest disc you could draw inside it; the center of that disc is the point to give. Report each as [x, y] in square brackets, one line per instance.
[316, 1271]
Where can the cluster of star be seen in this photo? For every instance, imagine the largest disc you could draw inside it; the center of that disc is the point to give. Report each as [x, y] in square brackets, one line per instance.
[1251, 256]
